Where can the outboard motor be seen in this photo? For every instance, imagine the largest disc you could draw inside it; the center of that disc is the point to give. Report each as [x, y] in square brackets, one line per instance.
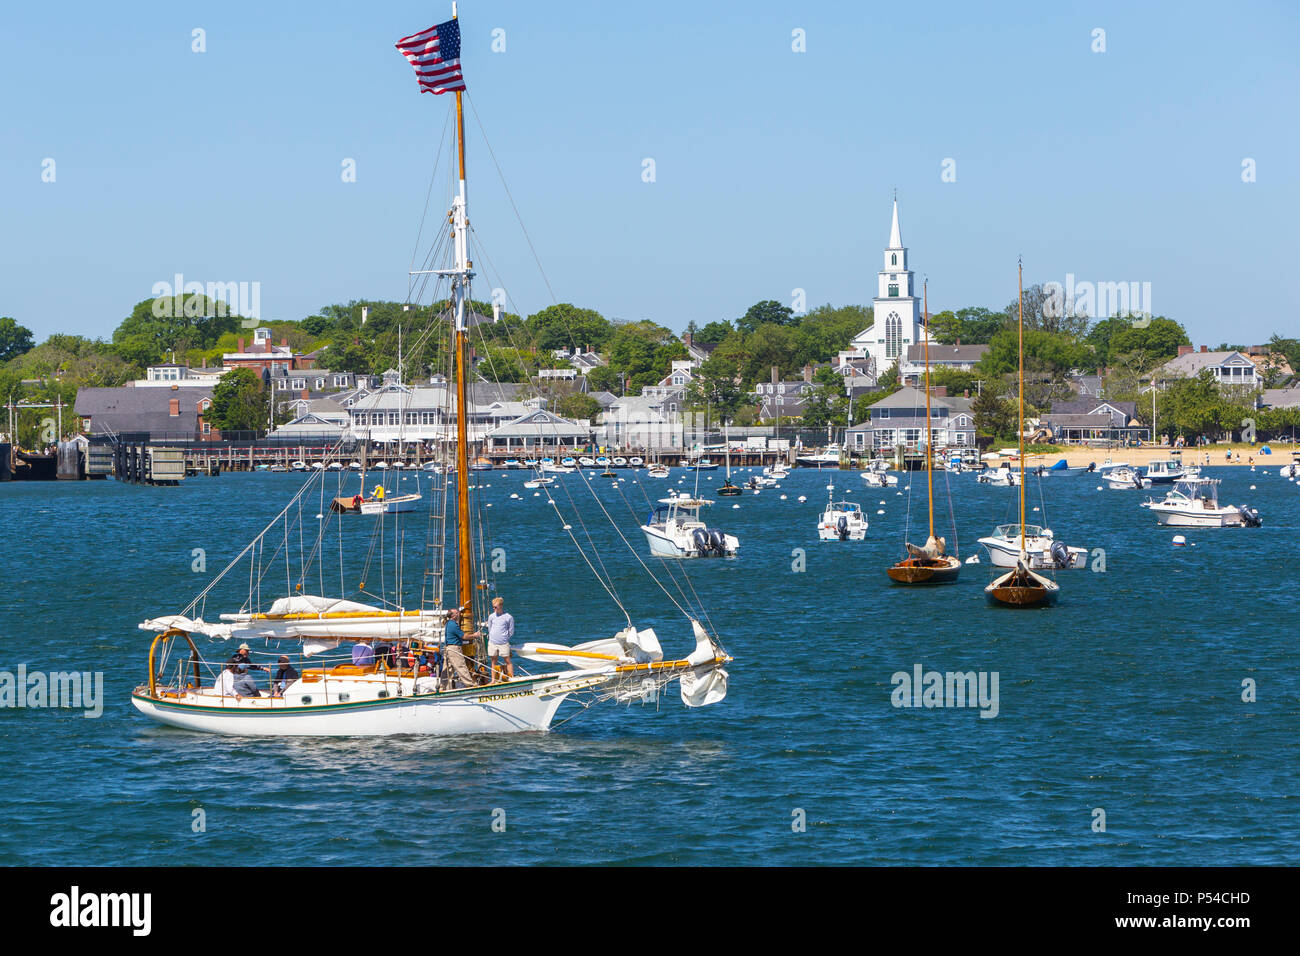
[718, 541]
[701, 538]
[1250, 517]
[1060, 554]
[1092, 466]
[842, 526]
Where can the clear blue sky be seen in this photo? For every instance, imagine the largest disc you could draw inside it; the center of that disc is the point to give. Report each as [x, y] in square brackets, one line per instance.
[774, 168]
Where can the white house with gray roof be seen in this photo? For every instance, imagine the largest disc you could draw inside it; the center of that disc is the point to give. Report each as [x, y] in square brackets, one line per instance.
[1228, 368]
[899, 419]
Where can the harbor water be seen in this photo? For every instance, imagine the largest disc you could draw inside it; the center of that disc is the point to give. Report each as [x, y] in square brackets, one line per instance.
[1149, 718]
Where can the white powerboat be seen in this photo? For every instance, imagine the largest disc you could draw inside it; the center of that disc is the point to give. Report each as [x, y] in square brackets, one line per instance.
[842, 521]
[830, 455]
[1002, 477]
[1292, 470]
[877, 475]
[674, 530]
[1164, 471]
[1126, 477]
[1042, 549]
[635, 461]
[1194, 503]
[657, 471]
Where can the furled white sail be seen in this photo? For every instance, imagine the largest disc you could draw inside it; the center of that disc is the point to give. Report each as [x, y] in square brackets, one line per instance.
[313, 616]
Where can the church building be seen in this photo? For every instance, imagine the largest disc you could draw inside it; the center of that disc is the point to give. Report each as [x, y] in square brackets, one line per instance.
[896, 309]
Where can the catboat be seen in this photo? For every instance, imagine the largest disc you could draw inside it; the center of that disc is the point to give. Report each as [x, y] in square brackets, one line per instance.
[930, 563]
[399, 677]
[1021, 586]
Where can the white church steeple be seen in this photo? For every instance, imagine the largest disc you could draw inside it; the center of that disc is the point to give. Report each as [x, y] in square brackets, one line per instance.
[896, 308]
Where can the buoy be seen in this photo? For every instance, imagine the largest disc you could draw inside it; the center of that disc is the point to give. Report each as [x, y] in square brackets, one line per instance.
[568, 527]
[489, 504]
[882, 502]
[830, 487]
[1035, 507]
[880, 511]
[1099, 487]
[801, 497]
[514, 496]
[735, 506]
[783, 497]
[320, 516]
[1252, 487]
[1179, 541]
[537, 494]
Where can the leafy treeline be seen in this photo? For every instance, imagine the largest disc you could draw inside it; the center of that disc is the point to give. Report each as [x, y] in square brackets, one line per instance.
[194, 330]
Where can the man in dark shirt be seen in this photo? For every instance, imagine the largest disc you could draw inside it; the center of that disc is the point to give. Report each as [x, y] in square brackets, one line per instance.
[283, 677]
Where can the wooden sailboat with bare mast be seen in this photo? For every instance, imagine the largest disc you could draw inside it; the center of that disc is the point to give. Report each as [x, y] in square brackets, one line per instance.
[1021, 586]
[417, 683]
[930, 564]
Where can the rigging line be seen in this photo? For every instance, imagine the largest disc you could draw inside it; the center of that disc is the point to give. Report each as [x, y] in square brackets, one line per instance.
[668, 568]
[446, 124]
[555, 428]
[513, 206]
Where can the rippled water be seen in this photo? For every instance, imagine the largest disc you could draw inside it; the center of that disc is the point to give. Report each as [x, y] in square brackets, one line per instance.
[1127, 696]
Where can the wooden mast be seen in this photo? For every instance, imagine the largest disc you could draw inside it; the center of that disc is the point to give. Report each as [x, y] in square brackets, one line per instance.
[460, 284]
[929, 452]
[1020, 312]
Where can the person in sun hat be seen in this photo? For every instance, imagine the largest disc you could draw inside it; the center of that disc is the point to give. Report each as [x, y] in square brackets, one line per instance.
[241, 656]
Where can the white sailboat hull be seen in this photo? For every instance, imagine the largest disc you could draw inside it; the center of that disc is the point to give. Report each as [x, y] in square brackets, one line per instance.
[415, 715]
[396, 504]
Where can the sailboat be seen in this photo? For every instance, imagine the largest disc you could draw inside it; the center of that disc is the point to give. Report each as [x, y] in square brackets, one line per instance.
[1022, 586]
[398, 677]
[930, 564]
[728, 490]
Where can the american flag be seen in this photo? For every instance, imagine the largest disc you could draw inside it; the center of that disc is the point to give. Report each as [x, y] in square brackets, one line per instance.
[435, 54]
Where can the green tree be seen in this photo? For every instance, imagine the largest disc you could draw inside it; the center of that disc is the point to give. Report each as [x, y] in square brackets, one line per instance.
[1100, 335]
[158, 326]
[239, 402]
[716, 386]
[713, 333]
[15, 339]
[644, 352]
[767, 311]
[995, 417]
[1159, 340]
[827, 405]
[565, 326]
[578, 406]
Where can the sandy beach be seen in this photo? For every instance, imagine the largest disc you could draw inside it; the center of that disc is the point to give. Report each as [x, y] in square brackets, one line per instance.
[1148, 453]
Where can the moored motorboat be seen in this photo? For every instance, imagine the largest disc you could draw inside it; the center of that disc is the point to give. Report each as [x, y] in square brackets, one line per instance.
[1194, 503]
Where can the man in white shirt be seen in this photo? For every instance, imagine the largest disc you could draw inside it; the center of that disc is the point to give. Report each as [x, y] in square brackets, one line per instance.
[501, 628]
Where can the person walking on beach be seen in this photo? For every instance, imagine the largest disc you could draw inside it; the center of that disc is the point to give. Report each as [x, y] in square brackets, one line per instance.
[501, 628]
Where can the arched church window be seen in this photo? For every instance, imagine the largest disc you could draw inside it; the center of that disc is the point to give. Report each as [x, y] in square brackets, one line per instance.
[893, 335]
[893, 259]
